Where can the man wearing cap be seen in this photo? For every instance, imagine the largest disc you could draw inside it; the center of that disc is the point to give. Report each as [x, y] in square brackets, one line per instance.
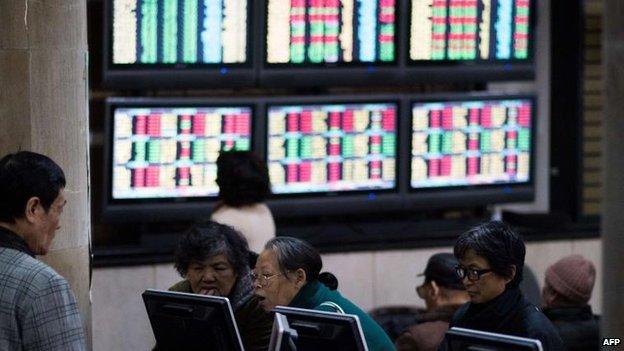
[567, 290]
[443, 293]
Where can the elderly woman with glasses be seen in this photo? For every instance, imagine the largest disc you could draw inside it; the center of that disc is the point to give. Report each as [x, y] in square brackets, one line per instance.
[287, 273]
[491, 259]
[214, 259]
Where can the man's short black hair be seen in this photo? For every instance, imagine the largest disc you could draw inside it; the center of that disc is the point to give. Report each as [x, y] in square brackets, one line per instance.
[242, 177]
[498, 244]
[24, 175]
[209, 239]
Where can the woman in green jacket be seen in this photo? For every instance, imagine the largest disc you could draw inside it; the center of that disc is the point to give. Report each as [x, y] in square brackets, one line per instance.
[214, 260]
[287, 273]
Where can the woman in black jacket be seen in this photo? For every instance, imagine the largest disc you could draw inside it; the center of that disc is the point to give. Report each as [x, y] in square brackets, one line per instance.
[491, 259]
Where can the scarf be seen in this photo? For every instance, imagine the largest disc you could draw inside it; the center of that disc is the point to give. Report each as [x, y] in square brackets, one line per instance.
[242, 290]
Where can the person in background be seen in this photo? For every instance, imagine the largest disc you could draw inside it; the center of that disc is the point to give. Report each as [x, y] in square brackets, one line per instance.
[530, 286]
[214, 260]
[244, 184]
[567, 289]
[491, 260]
[443, 293]
[287, 273]
[38, 310]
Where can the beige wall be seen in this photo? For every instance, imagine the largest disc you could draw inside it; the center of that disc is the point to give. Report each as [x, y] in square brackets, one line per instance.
[370, 279]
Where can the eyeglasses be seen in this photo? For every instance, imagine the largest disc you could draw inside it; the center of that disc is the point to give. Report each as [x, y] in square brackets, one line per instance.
[263, 279]
[472, 274]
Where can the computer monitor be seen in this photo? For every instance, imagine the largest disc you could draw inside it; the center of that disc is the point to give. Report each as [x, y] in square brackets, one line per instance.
[461, 339]
[459, 30]
[491, 39]
[283, 338]
[472, 150]
[322, 42]
[164, 151]
[327, 331]
[171, 43]
[332, 155]
[182, 321]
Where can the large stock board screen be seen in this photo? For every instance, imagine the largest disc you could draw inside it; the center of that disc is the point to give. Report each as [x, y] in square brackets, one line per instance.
[193, 32]
[332, 148]
[467, 143]
[171, 152]
[469, 30]
[301, 32]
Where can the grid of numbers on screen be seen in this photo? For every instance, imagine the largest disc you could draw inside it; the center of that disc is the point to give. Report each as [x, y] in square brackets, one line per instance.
[469, 30]
[179, 31]
[171, 152]
[327, 148]
[330, 31]
[470, 143]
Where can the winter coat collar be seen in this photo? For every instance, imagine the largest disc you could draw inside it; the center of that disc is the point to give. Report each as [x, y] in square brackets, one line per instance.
[10, 240]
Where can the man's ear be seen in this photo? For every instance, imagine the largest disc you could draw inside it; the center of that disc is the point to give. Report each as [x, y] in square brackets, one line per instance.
[512, 275]
[549, 296]
[32, 206]
[435, 289]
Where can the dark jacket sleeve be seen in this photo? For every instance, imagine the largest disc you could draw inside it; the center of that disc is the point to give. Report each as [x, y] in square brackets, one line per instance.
[540, 328]
[181, 286]
[254, 325]
[459, 314]
[406, 342]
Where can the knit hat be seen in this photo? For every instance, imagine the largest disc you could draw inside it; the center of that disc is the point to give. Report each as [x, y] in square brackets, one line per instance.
[573, 278]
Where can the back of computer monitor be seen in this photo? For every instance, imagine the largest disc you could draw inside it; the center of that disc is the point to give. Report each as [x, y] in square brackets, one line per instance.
[326, 331]
[462, 339]
[183, 321]
[283, 338]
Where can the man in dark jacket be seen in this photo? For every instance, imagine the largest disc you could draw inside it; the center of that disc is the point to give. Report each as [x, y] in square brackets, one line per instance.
[443, 293]
[567, 289]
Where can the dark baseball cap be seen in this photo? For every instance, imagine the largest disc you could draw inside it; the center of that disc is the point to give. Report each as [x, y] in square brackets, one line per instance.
[441, 269]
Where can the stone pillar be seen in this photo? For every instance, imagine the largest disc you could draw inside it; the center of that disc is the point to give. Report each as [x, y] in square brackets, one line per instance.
[44, 108]
[613, 166]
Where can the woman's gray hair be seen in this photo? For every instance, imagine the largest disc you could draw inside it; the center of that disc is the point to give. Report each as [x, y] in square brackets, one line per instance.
[293, 253]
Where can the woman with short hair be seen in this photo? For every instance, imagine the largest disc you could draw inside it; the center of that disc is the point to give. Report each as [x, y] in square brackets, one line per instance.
[491, 259]
[287, 273]
[214, 260]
